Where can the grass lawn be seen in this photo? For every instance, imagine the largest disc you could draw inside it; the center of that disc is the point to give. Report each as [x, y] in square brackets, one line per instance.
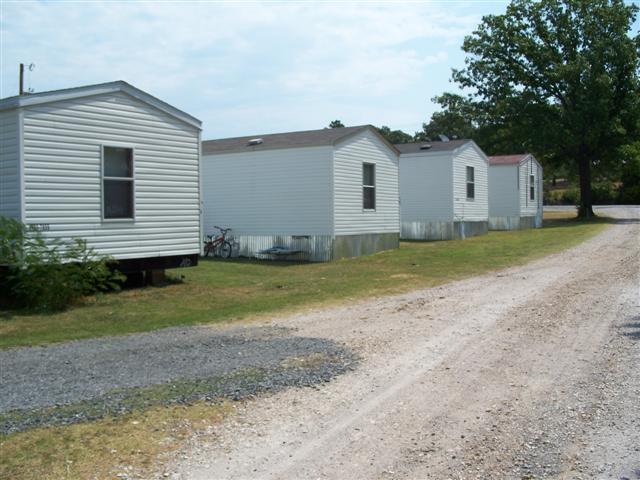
[229, 290]
[133, 445]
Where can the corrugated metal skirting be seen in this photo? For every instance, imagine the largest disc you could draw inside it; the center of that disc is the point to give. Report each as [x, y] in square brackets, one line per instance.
[316, 248]
[426, 230]
[442, 230]
[514, 223]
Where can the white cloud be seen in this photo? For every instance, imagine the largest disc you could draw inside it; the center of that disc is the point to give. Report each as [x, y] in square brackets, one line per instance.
[231, 64]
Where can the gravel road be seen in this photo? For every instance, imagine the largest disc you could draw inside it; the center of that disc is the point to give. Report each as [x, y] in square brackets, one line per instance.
[531, 372]
[88, 379]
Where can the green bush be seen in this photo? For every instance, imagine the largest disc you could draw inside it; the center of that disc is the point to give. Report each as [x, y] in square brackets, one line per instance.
[629, 192]
[50, 274]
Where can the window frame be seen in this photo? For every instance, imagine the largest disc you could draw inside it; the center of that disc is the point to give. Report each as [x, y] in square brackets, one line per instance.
[472, 182]
[532, 187]
[131, 179]
[372, 187]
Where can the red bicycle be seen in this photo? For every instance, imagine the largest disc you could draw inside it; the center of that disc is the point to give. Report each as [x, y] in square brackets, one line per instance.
[218, 245]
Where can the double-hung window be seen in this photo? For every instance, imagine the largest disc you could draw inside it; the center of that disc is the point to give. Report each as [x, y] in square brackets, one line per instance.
[117, 183]
[368, 186]
[532, 187]
[471, 185]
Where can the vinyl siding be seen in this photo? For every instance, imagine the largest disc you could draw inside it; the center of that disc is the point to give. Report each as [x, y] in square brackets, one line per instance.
[269, 193]
[503, 191]
[349, 216]
[529, 207]
[426, 184]
[465, 209]
[10, 164]
[62, 178]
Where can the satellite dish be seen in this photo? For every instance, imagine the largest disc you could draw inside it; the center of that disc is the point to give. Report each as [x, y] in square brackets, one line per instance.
[32, 67]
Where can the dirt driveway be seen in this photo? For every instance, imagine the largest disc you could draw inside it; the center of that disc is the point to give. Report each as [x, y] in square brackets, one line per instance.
[531, 372]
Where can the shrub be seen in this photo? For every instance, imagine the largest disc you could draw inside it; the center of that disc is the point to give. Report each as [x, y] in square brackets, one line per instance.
[50, 274]
[569, 196]
[629, 192]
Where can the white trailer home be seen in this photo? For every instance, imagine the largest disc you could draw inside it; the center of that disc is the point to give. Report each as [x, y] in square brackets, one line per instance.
[326, 194]
[515, 192]
[443, 190]
[108, 163]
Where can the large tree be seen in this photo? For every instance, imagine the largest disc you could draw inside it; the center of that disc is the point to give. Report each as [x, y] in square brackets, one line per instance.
[395, 136]
[458, 118]
[561, 77]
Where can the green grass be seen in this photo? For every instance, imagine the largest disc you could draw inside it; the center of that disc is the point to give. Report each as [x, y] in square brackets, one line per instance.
[229, 290]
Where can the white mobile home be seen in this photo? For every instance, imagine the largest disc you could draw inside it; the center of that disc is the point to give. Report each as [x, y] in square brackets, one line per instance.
[326, 194]
[443, 190]
[108, 163]
[515, 192]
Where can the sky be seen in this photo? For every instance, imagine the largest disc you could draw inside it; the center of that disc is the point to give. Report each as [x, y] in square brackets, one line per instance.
[247, 68]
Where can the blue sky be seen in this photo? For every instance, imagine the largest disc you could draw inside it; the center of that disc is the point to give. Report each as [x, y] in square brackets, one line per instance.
[247, 68]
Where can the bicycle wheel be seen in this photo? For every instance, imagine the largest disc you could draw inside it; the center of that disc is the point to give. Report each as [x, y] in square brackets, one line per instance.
[208, 249]
[225, 250]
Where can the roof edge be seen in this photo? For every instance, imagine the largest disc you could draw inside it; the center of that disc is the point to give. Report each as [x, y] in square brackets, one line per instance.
[477, 147]
[375, 131]
[39, 98]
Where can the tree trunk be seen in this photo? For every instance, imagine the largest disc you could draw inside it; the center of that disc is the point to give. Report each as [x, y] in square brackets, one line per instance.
[585, 209]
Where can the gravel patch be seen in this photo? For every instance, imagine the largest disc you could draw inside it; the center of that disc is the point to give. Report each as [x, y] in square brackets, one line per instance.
[89, 379]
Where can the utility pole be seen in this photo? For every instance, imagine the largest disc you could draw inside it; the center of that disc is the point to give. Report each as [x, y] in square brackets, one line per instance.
[22, 79]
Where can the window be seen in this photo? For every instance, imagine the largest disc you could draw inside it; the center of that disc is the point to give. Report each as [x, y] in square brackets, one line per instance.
[532, 187]
[368, 186]
[471, 186]
[117, 183]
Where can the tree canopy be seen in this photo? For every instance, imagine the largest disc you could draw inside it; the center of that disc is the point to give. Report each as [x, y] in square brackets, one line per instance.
[395, 136]
[557, 78]
[336, 124]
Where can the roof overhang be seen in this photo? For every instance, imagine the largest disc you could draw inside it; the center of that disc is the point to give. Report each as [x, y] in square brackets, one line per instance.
[99, 89]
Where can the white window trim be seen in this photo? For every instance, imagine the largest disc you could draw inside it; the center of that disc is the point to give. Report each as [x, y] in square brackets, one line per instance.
[132, 179]
[375, 197]
[532, 185]
[467, 182]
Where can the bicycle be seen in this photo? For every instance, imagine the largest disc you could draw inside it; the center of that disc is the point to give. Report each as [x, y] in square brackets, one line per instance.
[218, 244]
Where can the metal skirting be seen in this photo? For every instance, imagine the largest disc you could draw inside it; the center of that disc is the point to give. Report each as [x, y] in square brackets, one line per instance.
[315, 248]
[514, 223]
[426, 231]
[462, 230]
[442, 230]
[348, 246]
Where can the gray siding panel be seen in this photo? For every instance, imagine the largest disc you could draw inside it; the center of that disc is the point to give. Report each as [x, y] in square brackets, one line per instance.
[476, 210]
[62, 153]
[269, 193]
[504, 194]
[10, 164]
[426, 191]
[529, 207]
[349, 216]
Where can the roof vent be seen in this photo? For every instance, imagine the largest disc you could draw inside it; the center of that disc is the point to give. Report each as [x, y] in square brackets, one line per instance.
[255, 141]
[443, 138]
[425, 146]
